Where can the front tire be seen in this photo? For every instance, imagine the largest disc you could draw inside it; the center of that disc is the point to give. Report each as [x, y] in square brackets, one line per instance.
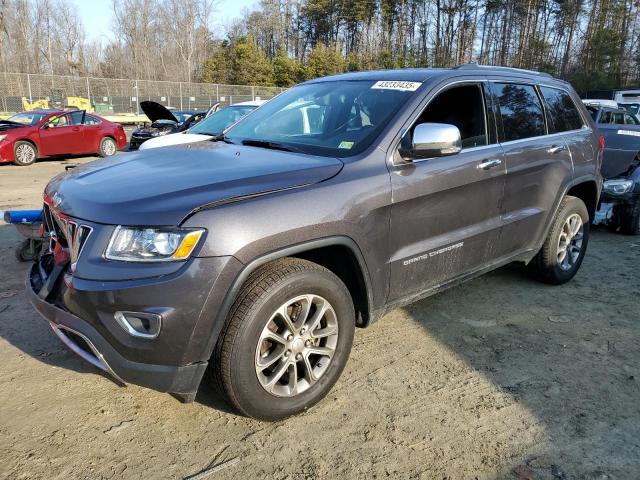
[24, 153]
[286, 341]
[630, 218]
[562, 253]
[108, 147]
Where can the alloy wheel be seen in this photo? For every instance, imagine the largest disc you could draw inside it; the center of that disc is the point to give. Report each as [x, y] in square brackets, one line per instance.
[570, 242]
[296, 345]
[108, 147]
[25, 153]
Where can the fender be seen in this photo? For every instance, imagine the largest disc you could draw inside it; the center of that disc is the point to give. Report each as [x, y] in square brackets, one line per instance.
[238, 282]
[576, 181]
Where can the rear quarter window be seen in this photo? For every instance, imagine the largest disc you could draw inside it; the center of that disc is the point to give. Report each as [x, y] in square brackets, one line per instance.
[91, 120]
[521, 111]
[563, 115]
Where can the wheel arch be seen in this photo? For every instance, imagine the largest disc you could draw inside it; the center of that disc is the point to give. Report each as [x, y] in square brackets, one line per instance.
[318, 250]
[339, 254]
[587, 191]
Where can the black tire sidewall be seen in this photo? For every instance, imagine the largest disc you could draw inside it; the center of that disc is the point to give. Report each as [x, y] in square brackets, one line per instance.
[630, 223]
[248, 392]
[35, 153]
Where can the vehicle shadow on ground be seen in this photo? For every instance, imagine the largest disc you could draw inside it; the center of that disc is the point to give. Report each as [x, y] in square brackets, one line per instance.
[567, 354]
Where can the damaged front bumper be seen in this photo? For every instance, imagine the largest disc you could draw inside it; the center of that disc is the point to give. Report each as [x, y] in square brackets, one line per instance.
[85, 340]
[616, 202]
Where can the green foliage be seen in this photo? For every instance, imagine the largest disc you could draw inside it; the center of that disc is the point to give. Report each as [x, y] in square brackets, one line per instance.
[324, 61]
[248, 64]
[286, 71]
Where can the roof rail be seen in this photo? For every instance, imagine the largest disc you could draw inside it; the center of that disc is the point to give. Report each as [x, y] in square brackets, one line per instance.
[474, 66]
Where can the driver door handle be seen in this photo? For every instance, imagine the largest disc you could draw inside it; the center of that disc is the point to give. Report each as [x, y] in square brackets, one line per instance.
[487, 164]
[557, 149]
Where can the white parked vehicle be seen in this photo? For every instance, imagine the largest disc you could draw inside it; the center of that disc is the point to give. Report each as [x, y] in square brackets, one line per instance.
[598, 102]
[208, 128]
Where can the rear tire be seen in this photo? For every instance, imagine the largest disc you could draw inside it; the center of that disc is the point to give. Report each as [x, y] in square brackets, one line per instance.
[24, 153]
[108, 147]
[630, 219]
[305, 357]
[563, 250]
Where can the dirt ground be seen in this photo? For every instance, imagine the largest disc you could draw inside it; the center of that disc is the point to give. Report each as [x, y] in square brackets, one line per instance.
[501, 377]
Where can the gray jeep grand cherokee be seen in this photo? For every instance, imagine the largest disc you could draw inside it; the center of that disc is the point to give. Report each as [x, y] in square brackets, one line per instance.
[255, 255]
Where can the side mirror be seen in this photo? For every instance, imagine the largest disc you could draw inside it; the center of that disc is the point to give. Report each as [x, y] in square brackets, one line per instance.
[434, 140]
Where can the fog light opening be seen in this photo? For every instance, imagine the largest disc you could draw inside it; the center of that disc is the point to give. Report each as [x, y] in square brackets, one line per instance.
[139, 324]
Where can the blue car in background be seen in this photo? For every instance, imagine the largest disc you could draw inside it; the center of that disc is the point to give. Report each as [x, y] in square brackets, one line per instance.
[620, 200]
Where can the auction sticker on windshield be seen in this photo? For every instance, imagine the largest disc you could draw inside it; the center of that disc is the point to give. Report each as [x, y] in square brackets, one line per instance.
[396, 85]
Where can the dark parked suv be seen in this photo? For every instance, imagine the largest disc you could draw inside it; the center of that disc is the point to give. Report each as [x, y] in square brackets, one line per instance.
[255, 255]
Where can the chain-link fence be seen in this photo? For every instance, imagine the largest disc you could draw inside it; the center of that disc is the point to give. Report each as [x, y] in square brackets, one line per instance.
[111, 96]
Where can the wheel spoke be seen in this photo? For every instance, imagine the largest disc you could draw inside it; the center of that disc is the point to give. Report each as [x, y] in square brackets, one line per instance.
[274, 337]
[323, 351]
[325, 332]
[317, 315]
[270, 359]
[309, 375]
[282, 312]
[277, 374]
[293, 378]
[305, 308]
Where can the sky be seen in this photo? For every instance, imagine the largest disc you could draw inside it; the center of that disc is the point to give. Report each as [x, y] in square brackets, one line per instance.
[97, 15]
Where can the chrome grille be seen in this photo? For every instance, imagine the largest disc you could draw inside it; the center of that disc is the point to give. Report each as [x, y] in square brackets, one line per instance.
[71, 235]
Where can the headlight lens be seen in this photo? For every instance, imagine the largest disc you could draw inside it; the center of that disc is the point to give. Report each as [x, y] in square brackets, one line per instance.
[3, 136]
[151, 244]
[159, 133]
[618, 187]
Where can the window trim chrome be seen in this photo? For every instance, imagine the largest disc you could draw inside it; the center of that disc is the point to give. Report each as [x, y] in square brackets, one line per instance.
[395, 143]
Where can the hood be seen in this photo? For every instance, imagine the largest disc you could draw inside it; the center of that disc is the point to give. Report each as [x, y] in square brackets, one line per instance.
[173, 139]
[162, 186]
[8, 124]
[154, 111]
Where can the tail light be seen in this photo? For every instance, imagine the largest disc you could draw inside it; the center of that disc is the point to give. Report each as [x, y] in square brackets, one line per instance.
[601, 143]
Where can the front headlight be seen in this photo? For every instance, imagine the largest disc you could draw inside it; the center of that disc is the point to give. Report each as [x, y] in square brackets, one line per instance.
[618, 187]
[3, 136]
[129, 244]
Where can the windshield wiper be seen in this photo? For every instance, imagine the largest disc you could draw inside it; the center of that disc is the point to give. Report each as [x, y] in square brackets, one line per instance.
[220, 137]
[271, 145]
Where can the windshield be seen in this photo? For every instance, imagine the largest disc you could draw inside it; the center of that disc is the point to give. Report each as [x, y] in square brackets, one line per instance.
[339, 118]
[27, 118]
[182, 116]
[217, 122]
[632, 108]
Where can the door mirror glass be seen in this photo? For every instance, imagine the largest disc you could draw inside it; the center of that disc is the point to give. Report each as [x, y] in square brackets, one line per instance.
[434, 140]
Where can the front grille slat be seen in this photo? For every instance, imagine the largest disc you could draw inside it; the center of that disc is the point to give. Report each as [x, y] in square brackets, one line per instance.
[67, 232]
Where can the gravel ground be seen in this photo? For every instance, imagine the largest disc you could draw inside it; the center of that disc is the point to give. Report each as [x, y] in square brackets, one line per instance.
[501, 377]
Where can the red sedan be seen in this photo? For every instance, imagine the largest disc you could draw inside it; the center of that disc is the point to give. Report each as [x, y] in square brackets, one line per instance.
[28, 136]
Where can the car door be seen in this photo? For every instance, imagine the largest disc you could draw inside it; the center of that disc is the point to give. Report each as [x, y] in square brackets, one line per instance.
[538, 164]
[59, 136]
[92, 133]
[445, 216]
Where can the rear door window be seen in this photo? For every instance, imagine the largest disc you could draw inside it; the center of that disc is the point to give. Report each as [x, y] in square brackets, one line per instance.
[606, 117]
[521, 111]
[563, 116]
[76, 117]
